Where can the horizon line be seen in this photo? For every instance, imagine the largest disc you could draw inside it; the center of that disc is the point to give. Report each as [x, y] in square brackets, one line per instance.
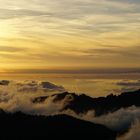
[73, 71]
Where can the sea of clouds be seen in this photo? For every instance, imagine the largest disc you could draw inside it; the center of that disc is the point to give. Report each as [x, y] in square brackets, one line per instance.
[18, 96]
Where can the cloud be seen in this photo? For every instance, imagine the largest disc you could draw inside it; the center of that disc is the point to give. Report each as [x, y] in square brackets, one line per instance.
[111, 51]
[133, 133]
[4, 82]
[48, 29]
[120, 120]
[11, 49]
[133, 83]
[13, 98]
[20, 13]
[18, 96]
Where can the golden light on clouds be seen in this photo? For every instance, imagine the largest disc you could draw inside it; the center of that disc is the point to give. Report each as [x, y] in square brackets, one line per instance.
[48, 34]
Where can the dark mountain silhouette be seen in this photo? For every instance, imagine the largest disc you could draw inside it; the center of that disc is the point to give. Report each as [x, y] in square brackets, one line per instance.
[101, 105]
[51, 86]
[60, 126]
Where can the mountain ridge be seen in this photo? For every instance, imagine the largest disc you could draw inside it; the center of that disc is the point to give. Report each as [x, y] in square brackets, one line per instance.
[20, 124]
[101, 105]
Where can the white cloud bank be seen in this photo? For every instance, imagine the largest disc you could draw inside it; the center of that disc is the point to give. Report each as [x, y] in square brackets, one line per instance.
[18, 96]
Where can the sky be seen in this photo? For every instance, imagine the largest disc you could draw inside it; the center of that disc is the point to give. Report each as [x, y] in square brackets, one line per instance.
[53, 34]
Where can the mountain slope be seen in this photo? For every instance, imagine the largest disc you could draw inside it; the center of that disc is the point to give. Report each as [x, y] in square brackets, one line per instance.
[19, 124]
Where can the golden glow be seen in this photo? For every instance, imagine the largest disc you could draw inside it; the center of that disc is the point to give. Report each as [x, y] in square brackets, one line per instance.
[47, 34]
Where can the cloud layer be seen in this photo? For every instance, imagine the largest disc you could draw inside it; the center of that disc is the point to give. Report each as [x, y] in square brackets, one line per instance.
[19, 96]
[79, 33]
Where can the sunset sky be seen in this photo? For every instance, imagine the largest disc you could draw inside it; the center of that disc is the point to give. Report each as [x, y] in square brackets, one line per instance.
[49, 34]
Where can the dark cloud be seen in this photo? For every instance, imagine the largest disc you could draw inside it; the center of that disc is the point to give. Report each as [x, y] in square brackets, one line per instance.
[111, 50]
[4, 82]
[129, 83]
[127, 1]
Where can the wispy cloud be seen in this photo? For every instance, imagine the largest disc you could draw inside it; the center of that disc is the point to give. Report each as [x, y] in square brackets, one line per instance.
[90, 28]
[11, 49]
